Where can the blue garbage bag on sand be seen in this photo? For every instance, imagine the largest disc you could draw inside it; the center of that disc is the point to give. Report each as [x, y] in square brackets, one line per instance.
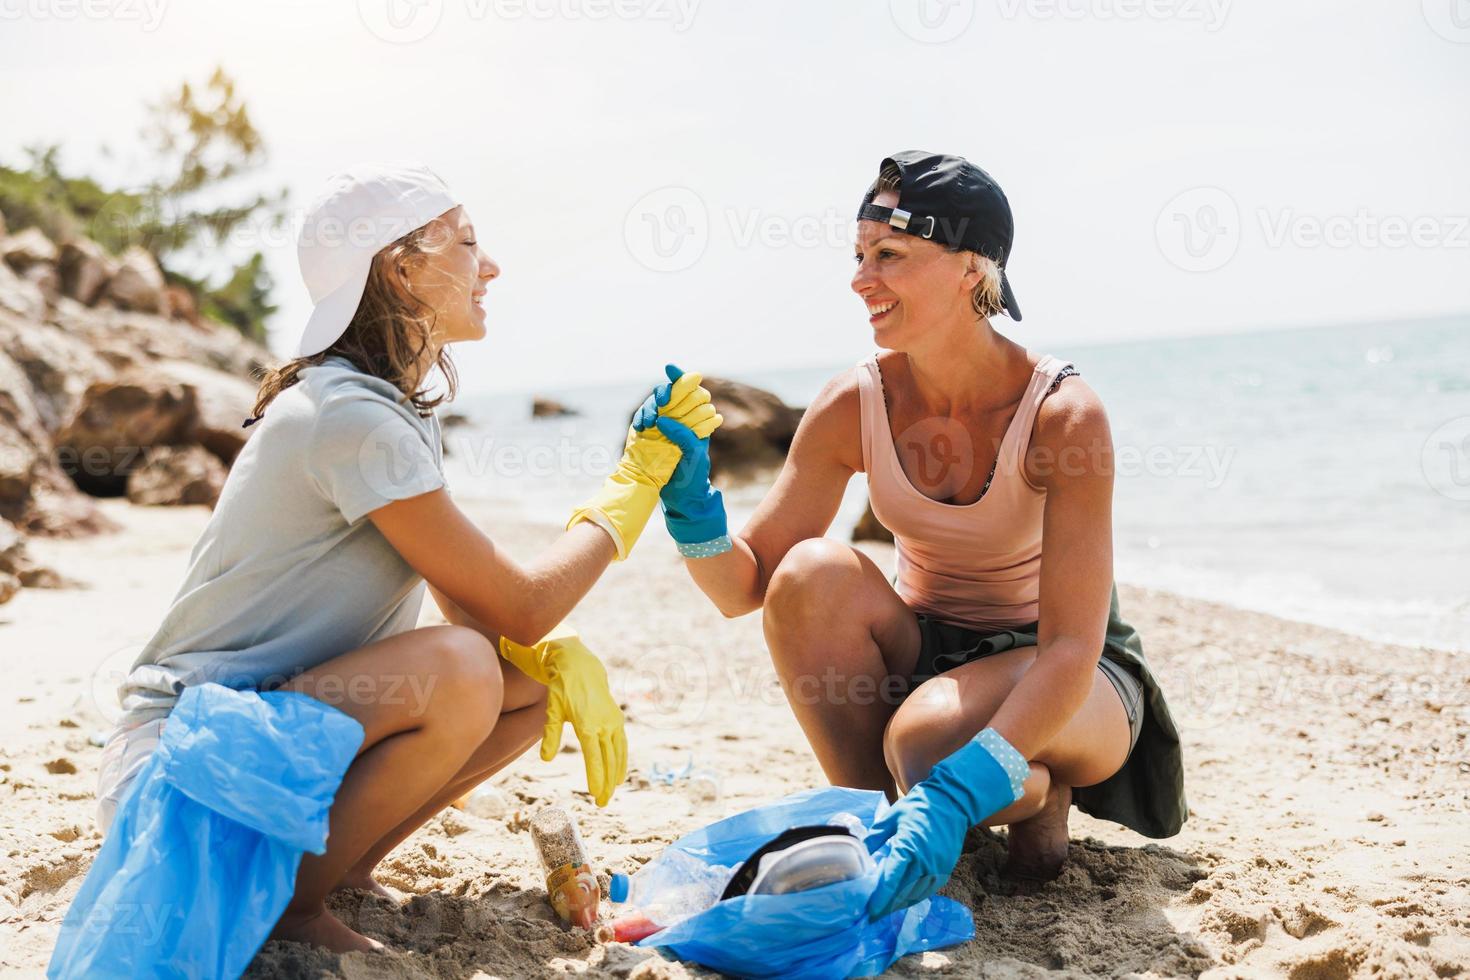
[823, 932]
[202, 855]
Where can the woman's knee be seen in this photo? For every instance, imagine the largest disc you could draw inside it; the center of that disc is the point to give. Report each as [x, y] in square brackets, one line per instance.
[922, 732]
[814, 579]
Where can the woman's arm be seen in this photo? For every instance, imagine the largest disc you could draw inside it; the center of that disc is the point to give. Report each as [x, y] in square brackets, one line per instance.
[824, 455]
[498, 596]
[1071, 457]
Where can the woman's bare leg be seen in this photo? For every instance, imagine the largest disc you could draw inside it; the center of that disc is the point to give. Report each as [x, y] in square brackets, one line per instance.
[945, 711]
[427, 699]
[844, 645]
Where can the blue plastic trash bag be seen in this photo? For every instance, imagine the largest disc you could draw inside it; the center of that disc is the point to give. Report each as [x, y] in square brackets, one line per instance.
[824, 932]
[201, 858]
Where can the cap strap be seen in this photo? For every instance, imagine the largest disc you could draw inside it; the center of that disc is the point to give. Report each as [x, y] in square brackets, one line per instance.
[902, 220]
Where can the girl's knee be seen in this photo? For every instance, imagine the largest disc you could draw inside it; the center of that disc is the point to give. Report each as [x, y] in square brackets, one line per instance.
[463, 673]
[921, 733]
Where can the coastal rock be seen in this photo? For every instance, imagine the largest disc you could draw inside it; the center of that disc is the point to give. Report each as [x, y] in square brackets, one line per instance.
[18, 564]
[27, 248]
[116, 422]
[174, 475]
[58, 364]
[179, 304]
[546, 408]
[46, 279]
[138, 284]
[85, 270]
[9, 586]
[19, 295]
[222, 401]
[757, 430]
[869, 528]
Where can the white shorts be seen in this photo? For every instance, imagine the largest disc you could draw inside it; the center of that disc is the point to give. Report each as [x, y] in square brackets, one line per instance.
[125, 753]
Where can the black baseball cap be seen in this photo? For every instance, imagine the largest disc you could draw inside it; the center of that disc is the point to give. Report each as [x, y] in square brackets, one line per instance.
[947, 199]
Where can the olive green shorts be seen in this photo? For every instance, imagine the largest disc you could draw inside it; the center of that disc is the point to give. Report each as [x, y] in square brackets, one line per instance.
[945, 646]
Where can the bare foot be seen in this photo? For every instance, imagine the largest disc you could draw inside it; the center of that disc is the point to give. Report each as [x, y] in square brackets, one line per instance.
[1038, 846]
[322, 928]
[365, 883]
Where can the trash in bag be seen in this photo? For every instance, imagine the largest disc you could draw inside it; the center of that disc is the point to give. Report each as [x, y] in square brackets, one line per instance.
[810, 919]
[202, 855]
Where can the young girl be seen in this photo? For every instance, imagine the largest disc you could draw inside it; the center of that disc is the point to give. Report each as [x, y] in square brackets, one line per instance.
[993, 681]
[311, 572]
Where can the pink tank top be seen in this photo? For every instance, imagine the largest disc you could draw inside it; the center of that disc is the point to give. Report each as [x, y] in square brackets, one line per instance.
[977, 565]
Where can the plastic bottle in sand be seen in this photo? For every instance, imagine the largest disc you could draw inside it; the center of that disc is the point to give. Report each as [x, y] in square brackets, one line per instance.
[661, 893]
[570, 885]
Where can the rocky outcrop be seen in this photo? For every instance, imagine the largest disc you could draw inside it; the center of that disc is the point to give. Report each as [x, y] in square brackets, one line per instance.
[757, 430]
[117, 422]
[177, 475]
[85, 270]
[138, 284]
[222, 402]
[27, 248]
[549, 408]
[106, 390]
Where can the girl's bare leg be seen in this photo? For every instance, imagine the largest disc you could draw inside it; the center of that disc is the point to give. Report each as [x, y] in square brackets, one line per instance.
[944, 711]
[844, 645]
[427, 699]
[523, 714]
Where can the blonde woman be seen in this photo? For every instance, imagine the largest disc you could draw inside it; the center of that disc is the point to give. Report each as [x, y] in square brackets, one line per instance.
[311, 572]
[993, 680]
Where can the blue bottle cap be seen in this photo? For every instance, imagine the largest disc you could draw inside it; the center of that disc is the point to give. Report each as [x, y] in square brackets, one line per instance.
[617, 889]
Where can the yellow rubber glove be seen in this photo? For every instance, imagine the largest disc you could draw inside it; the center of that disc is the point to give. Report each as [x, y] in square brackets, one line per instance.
[630, 495]
[576, 691]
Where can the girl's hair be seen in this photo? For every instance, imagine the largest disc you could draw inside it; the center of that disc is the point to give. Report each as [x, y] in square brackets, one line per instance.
[985, 297]
[388, 334]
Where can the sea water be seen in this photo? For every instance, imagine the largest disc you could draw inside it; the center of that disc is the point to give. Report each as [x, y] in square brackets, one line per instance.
[1319, 474]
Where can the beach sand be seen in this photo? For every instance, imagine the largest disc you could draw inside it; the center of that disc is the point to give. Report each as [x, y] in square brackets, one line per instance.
[1328, 778]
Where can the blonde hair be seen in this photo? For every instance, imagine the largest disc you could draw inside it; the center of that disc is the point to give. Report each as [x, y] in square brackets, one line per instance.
[388, 335]
[985, 298]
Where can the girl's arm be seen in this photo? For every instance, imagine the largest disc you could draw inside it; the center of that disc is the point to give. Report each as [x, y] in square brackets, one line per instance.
[497, 595]
[824, 455]
[1071, 457]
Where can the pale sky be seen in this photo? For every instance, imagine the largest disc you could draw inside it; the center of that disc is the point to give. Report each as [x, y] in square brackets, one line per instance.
[675, 179]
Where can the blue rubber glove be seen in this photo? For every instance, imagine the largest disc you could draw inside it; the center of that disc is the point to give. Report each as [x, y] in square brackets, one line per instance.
[694, 511]
[927, 826]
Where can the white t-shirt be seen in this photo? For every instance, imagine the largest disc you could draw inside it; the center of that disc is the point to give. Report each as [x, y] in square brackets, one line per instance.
[288, 573]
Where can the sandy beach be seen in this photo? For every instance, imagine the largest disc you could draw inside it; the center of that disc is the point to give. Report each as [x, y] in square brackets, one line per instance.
[1328, 779]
